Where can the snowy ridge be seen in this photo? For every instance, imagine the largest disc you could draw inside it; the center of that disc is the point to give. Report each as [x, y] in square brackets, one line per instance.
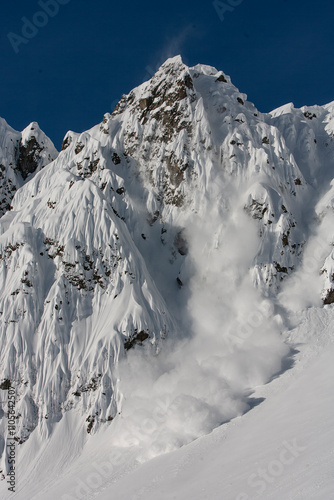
[132, 263]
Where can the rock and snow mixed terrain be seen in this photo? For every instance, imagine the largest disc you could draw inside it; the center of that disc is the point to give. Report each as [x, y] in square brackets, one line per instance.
[155, 275]
[21, 155]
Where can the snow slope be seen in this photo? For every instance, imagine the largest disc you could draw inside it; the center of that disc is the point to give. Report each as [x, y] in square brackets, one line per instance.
[148, 275]
[281, 448]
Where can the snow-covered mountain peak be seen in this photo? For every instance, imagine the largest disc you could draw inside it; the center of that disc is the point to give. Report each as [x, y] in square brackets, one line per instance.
[173, 217]
[35, 150]
[32, 130]
[172, 64]
[184, 133]
[21, 155]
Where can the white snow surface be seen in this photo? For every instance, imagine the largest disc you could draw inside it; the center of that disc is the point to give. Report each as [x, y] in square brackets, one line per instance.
[166, 300]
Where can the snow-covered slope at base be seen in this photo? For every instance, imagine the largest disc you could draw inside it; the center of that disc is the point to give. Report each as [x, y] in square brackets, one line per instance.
[281, 448]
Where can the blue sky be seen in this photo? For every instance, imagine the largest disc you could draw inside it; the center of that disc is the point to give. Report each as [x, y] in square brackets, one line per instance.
[74, 68]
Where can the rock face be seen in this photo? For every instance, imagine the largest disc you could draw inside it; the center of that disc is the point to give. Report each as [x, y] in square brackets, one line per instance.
[21, 155]
[189, 130]
[94, 252]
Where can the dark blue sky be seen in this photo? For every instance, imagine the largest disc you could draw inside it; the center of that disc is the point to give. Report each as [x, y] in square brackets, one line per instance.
[73, 69]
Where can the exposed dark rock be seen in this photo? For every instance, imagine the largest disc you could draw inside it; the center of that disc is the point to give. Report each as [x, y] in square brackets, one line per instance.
[79, 147]
[256, 209]
[5, 385]
[116, 159]
[151, 219]
[309, 115]
[66, 142]
[221, 78]
[179, 282]
[285, 239]
[86, 170]
[135, 339]
[120, 106]
[117, 214]
[91, 420]
[51, 204]
[329, 299]
[280, 269]
[145, 103]
[29, 155]
[26, 282]
[188, 82]
[181, 243]
[175, 170]
[93, 385]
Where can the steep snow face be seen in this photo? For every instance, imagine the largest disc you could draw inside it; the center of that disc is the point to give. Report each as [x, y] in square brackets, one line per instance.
[21, 155]
[309, 134]
[156, 223]
[76, 293]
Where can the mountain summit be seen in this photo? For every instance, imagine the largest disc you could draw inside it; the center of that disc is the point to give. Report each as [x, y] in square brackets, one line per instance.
[21, 155]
